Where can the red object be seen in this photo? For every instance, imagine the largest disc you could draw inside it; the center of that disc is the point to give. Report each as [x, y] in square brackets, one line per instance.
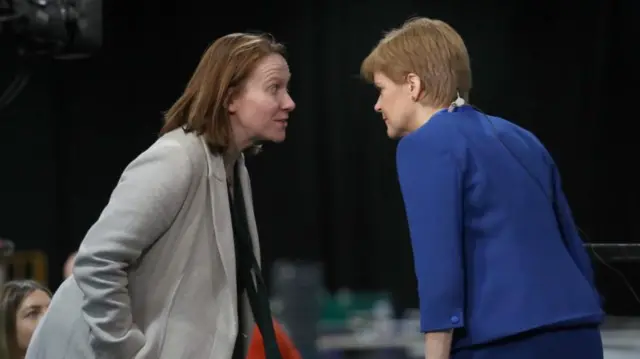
[287, 348]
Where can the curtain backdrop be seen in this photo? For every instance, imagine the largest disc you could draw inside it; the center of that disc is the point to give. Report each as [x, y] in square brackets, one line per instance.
[329, 193]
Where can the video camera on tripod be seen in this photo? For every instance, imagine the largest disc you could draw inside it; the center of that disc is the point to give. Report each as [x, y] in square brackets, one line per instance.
[60, 27]
[54, 29]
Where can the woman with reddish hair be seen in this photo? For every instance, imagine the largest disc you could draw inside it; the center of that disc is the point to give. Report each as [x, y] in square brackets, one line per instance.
[171, 268]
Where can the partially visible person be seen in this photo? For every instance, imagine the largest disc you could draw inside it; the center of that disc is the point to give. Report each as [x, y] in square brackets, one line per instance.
[67, 270]
[23, 304]
[502, 272]
[285, 344]
[171, 268]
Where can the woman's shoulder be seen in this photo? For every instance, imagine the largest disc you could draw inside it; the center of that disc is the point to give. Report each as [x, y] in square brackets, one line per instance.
[174, 150]
[188, 141]
[439, 134]
[193, 145]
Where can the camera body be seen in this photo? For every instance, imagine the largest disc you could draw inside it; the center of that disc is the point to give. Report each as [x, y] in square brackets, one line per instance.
[60, 27]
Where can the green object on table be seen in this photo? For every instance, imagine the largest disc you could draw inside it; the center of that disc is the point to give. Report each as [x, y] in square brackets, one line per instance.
[339, 309]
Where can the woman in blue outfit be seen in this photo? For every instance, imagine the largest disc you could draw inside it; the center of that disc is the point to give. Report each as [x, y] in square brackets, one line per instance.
[502, 272]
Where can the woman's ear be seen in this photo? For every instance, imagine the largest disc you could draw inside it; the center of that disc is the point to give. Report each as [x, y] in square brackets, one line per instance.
[231, 101]
[415, 86]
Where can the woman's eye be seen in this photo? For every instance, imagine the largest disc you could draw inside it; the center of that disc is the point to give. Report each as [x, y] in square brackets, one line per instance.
[32, 314]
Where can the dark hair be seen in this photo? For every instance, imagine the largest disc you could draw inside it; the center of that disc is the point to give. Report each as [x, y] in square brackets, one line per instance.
[221, 73]
[13, 293]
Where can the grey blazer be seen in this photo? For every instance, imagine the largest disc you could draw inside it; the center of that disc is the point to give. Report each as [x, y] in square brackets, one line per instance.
[155, 276]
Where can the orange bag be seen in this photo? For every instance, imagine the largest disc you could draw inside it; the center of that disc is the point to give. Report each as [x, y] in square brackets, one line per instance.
[287, 348]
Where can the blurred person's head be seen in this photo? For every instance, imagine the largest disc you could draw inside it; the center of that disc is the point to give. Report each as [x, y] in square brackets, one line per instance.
[419, 69]
[238, 95]
[67, 270]
[23, 303]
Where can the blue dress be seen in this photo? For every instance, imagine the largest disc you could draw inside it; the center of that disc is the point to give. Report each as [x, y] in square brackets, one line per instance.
[497, 254]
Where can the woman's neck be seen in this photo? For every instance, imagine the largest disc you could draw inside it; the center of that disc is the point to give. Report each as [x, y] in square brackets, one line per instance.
[422, 115]
[230, 157]
[241, 139]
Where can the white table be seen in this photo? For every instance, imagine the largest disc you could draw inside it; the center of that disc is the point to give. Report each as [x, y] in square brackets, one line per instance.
[621, 338]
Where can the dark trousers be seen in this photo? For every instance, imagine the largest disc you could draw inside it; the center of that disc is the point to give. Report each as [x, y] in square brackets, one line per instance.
[580, 342]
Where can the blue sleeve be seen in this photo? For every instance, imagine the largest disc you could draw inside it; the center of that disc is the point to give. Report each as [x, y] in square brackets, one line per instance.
[573, 242]
[431, 186]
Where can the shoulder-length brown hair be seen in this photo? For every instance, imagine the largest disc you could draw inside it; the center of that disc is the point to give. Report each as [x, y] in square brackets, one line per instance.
[13, 293]
[221, 73]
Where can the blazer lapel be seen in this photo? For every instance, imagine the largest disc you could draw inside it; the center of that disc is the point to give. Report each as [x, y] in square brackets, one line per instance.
[222, 226]
[245, 182]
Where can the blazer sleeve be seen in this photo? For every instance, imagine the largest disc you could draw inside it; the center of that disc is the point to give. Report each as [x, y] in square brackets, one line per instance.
[143, 205]
[431, 186]
[569, 230]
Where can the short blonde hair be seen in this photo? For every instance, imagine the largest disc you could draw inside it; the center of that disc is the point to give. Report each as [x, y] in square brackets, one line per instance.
[431, 49]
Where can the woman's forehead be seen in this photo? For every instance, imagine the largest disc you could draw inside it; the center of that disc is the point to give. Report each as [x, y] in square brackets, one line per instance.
[37, 298]
[273, 65]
